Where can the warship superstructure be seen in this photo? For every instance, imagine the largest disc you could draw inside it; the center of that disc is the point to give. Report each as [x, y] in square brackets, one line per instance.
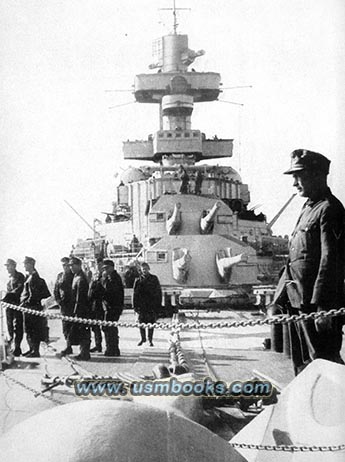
[189, 220]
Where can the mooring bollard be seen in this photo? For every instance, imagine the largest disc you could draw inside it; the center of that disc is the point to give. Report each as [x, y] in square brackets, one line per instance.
[276, 329]
[286, 341]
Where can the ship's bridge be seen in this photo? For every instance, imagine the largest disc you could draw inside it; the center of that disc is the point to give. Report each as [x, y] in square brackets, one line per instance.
[166, 142]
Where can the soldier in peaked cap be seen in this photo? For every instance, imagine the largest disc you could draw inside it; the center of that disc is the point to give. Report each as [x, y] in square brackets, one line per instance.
[14, 318]
[112, 302]
[63, 297]
[316, 263]
[80, 333]
[35, 290]
[95, 298]
[147, 301]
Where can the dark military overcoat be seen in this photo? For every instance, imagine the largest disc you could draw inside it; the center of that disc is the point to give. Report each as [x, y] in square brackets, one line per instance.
[81, 308]
[113, 294]
[317, 268]
[147, 297]
[63, 292]
[35, 290]
[317, 253]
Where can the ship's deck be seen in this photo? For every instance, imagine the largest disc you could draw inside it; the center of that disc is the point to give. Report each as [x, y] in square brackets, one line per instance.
[226, 354]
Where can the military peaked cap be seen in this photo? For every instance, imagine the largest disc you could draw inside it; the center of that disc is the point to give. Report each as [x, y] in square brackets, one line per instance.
[9, 261]
[64, 260]
[108, 263]
[74, 261]
[30, 260]
[302, 159]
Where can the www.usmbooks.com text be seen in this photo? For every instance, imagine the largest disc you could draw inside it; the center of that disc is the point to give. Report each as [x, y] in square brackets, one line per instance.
[173, 387]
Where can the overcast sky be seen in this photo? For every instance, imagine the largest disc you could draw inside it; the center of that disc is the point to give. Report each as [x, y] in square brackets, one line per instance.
[59, 139]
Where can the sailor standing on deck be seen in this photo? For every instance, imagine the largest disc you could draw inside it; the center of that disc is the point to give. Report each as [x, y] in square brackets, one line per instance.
[14, 318]
[313, 279]
[198, 182]
[95, 298]
[63, 296]
[80, 333]
[112, 299]
[147, 300]
[35, 290]
[184, 177]
[130, 275]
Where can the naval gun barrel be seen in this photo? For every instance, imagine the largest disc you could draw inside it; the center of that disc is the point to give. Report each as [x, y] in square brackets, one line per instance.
[225, 264]
[174, 222]
[207, 221]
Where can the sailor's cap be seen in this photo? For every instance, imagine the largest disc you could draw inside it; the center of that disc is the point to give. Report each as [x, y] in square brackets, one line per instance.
[107, 263]
[29, 260]
[9, 262]
[302, 159]
[74, 261]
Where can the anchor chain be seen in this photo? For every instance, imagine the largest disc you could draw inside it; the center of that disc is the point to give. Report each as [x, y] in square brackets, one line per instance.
[178, 362]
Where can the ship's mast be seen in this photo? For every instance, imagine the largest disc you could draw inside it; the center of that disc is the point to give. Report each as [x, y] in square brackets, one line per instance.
[175, 19]
[174, 9]
[176, 89]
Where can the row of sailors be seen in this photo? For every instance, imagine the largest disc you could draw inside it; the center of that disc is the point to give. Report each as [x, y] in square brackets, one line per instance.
[102, 299]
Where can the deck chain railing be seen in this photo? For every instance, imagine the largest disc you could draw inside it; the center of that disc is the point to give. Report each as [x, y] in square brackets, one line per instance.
[276, 319]
[288, 447]
[176, 326]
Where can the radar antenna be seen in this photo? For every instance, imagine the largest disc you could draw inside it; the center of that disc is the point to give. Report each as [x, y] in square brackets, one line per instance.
[174, 10]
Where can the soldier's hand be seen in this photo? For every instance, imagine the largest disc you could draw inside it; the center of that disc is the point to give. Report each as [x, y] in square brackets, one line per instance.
[323, 324]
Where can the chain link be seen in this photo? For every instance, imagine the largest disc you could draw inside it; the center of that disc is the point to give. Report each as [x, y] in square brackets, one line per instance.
[277, 319]
[177, 327]
[288, 448]
[28, 388]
